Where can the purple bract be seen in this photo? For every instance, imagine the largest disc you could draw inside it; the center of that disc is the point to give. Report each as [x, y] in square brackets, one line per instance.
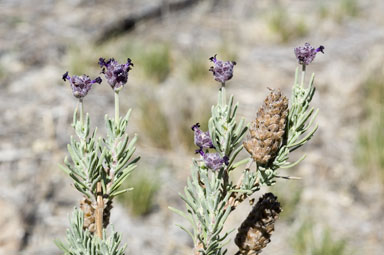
[213, 160]
[80, 84]
[222, 71]
[306, 54]
[201, 139]
[115, 73]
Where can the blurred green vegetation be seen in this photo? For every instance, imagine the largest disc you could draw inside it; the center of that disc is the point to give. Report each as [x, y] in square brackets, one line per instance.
[289, 196]
[340, 10]
[83, 60]
[153, 122]
[306, 242]
[197, 69]
[370, 150]
[347, 8]
[282, 24]
[155, 59]
[141, 199]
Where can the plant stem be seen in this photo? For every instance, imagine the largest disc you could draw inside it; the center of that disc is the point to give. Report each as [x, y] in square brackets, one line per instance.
[117, 118]
[99, 211]
[234, 198]
[81, 111]
[302, 75]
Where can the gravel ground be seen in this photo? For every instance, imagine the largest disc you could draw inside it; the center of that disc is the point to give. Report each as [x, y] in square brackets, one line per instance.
[36, 38]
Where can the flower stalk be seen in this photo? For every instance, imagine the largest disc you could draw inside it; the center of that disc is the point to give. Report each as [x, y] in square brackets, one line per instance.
[81, 111]
[98, 167]
[117, 108]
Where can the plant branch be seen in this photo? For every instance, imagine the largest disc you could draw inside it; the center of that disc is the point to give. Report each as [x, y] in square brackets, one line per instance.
[99, 211]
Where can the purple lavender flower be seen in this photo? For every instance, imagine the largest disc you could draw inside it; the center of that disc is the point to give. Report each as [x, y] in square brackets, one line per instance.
[306, 54]
[80, 84]
[213, 160]
[222, 71]
[201, 139]
[115, 73]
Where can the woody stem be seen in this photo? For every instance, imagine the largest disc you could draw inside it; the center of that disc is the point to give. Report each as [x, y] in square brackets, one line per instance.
[99, 211]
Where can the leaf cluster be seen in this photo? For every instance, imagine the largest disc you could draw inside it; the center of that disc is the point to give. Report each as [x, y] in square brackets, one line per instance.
[96, 160]
[299, 129]
[208, 192]
[82, 242]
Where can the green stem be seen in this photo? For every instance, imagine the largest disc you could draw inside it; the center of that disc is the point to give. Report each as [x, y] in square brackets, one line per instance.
[302, 75]
[81, 111]
[117, 118]
[223, 95]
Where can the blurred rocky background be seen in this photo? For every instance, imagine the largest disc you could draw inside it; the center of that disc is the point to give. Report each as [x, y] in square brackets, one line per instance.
[337, 207]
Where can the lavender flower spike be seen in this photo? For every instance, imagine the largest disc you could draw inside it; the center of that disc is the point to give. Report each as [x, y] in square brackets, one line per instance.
[222, 71]
[201, 139]
[306, 54]
[115, 73]
[213, 160]
[80, 84]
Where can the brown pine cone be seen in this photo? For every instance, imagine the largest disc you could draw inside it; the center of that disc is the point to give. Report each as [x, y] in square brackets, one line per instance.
[89, 214]
[107, 212]
[255, 232]
[266, 132]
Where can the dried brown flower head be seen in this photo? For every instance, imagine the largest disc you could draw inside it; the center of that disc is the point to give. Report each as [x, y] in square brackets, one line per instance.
[267, 130]
[255, 232]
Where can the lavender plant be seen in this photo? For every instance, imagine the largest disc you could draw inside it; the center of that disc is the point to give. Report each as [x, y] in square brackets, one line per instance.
[98, 166]
[279, 128]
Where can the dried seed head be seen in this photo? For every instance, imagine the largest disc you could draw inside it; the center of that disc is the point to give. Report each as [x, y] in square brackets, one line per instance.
[107, 212]
[89, 214]
[267, 130]
[255, 232]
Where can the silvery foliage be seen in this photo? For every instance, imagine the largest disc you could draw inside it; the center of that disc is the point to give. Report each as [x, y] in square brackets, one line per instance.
[299, 130]
[210, 196]
[208, 192]
[106, 160]
[93, 160]
[82, 242]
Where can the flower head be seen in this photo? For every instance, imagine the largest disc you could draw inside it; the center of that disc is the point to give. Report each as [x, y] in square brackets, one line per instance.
[80, 84]
[202, 139]
[222, 71]
[115, 73]
[306, 54]
[213, 160]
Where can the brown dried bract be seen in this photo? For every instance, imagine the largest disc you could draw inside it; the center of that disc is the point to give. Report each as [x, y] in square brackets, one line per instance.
[255, 232]
[267, 130]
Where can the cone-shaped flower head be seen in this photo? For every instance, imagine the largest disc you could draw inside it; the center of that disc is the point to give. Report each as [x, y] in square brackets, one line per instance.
[306, 54]
[255, 232]
[201, 139]
[267, 130]
[80, 84]
[213, 160]
[222, 71]
[115, 73]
